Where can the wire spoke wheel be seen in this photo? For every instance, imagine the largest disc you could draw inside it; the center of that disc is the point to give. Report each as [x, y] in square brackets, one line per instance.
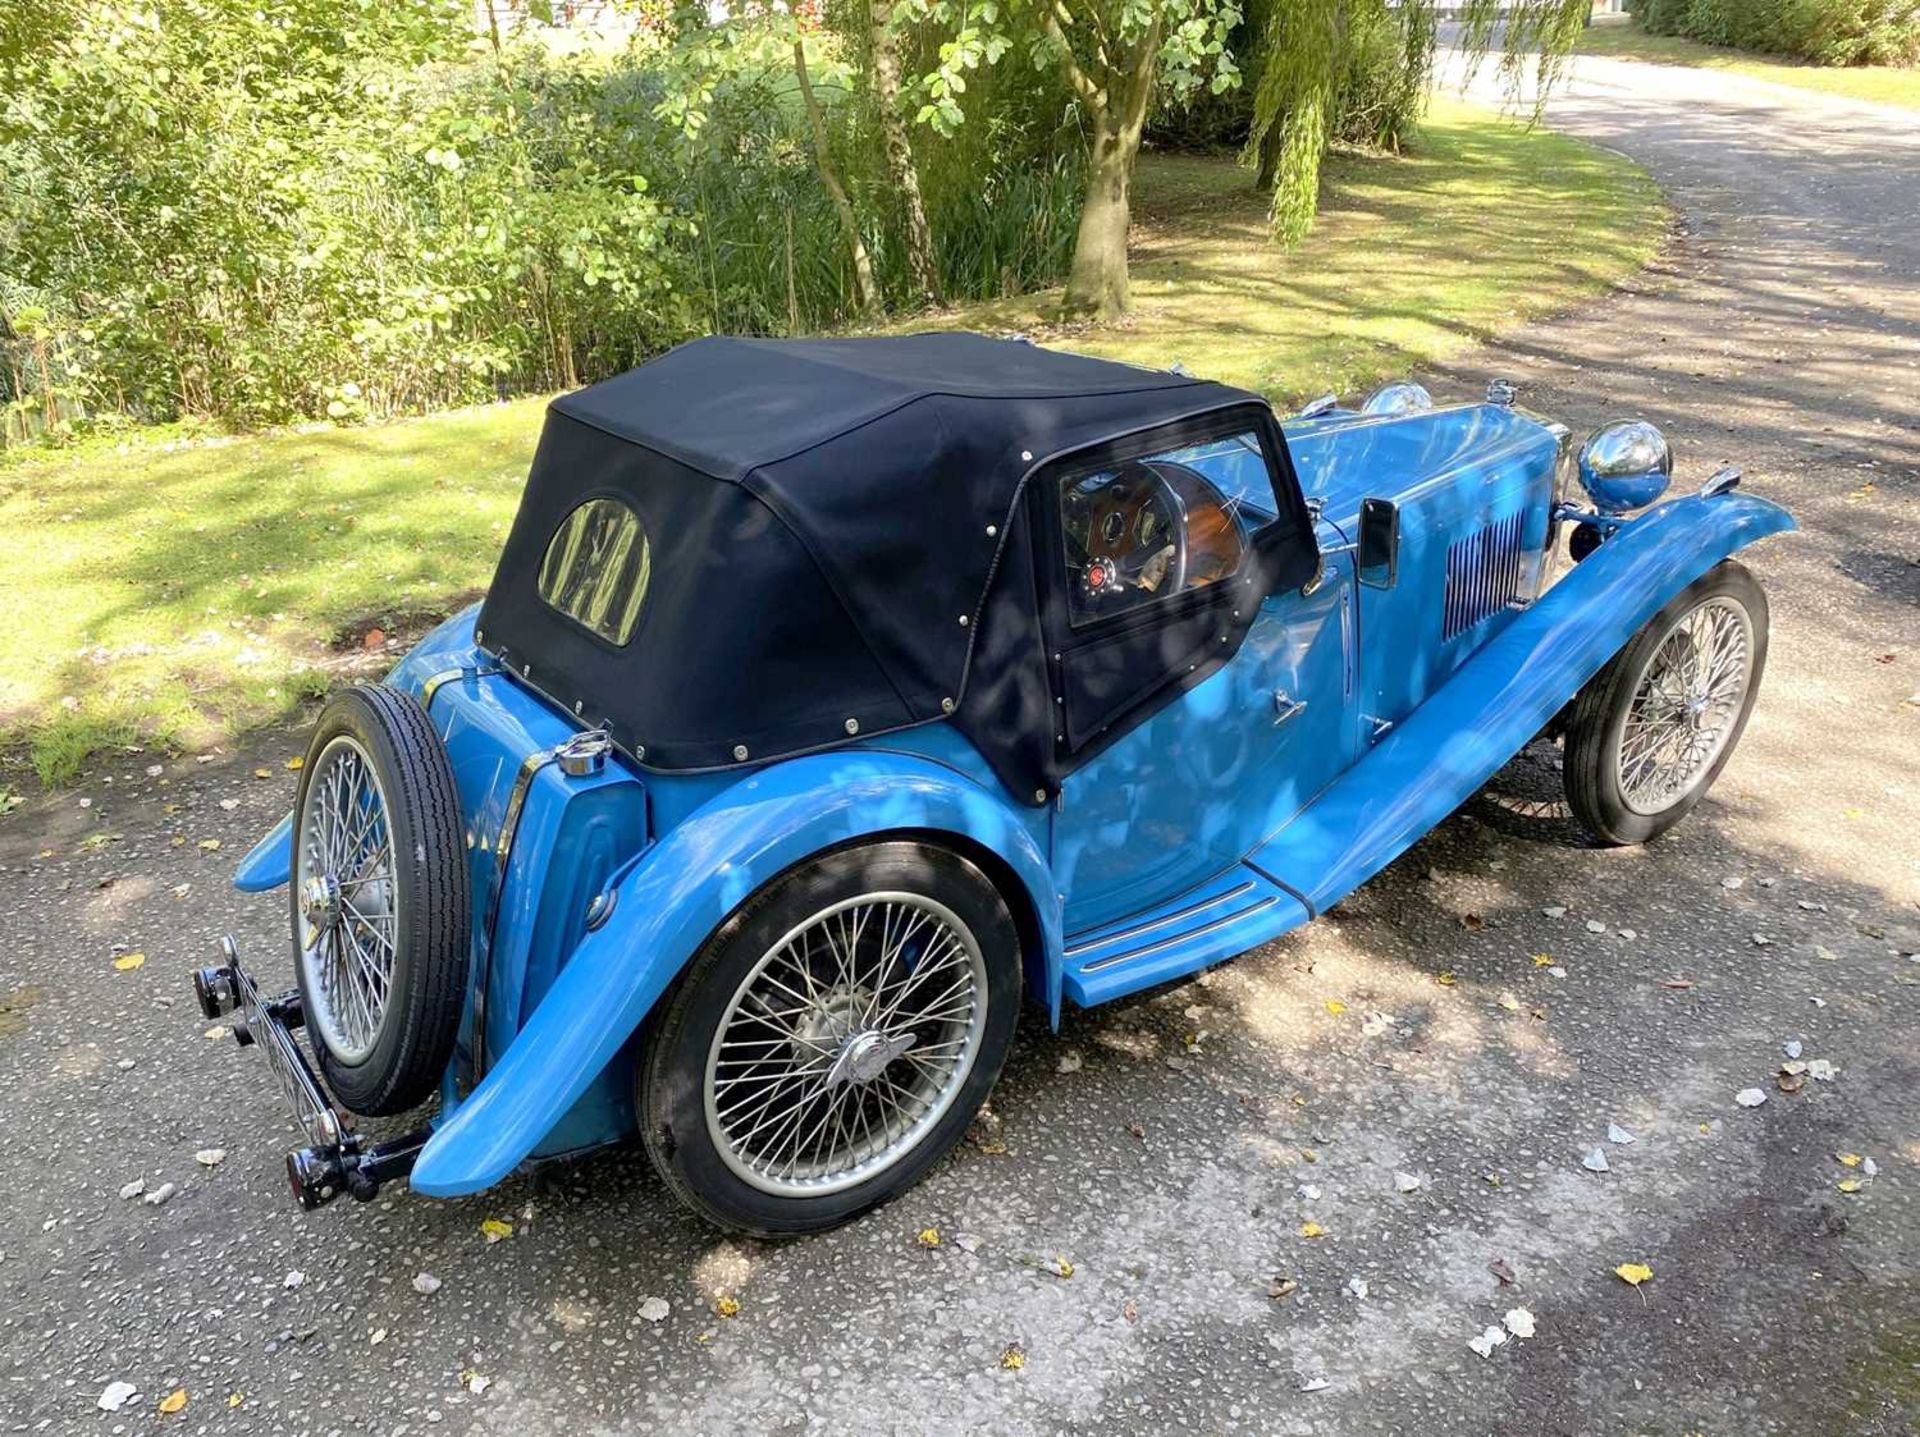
[845, 1044]
[345, 927]
[1686, 705]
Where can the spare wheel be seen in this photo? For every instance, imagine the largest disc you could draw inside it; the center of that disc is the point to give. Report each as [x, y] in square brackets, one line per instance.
[380, 900]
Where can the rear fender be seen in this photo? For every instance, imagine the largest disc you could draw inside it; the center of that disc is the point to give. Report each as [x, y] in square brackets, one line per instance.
[1428, 765]
[674, 897]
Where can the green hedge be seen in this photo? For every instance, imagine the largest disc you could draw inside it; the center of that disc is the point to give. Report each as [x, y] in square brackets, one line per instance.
[1821, 32]
[257, 211]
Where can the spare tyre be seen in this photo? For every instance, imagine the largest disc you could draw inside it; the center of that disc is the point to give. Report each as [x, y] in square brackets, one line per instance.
[380, 900]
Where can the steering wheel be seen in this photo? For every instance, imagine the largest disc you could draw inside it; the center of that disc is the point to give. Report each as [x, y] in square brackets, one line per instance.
[1137, 535]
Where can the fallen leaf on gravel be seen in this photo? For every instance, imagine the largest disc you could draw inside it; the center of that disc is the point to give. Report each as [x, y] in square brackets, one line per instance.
[1130, 1310]
[1851, 1160]
[494, 1230]
[1633, 1273]
[234, 1399]
[1070, 1062]
[928, 1237]
[1406, 1182]
[1282, 1287]
[127, 962]
[1488, 1340]
[1821, 1071]
[228, 805]
[655, 1309]
[296, 763]
[1310, 1228]
[1503, 1270]
[1850, 1185]
[1013, 1357]
[1791, 1082]
[1374, 1024]
[1519, 1322]
[475, 1383]
[1618, 1134]
[1472, 922]
[1508, 1002]
[426, 1284]
[1335, 1007]
[727, 1306]
[263, 773]
[210, 1157]
[209, 845]
[1750, 1097]
[1732, 882]
[1595, 1162]
[1446, 979]
[214, 1035]
[1869, 1167]
[1543, 960]
[1059, 1267]
[173, 1402]
[117, 1395]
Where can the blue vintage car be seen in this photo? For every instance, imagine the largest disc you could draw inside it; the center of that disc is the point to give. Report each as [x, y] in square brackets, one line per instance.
[835, 697]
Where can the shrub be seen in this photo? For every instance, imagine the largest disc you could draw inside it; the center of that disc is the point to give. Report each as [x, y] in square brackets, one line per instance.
[1822, 32]
[258, 211]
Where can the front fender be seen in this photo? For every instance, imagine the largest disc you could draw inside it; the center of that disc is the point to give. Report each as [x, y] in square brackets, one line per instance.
[669, 903]
[1466, 731]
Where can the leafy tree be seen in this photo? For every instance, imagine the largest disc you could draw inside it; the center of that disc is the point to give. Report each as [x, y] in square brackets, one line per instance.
[1117, 57]
[1308, 50]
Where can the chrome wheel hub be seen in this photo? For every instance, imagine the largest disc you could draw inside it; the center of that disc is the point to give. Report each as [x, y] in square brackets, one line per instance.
[845, 1044]
[320, 901]
[1685, 705]
[346, 923]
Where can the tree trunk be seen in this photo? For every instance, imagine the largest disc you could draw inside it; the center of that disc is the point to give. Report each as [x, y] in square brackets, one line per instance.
[1097, 283]
[893, 132]
[866, 295]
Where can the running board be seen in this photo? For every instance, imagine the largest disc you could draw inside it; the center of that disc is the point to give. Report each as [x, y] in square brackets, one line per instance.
[1225, 915]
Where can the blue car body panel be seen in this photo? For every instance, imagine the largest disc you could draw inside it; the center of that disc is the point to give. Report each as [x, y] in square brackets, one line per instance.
[1426, 767]
[665, 908]
[1350, 720]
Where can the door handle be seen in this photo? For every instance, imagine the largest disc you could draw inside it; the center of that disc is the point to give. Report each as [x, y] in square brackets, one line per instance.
[1285, 706]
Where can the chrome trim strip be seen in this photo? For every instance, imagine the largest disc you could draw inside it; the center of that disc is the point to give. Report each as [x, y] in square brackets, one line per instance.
[1125, 933]
[1099, 963]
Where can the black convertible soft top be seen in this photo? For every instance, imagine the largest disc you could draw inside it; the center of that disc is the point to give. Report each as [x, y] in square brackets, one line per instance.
[836, 540]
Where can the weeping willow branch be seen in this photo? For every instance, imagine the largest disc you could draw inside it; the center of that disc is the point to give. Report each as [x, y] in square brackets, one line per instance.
[1305, 49]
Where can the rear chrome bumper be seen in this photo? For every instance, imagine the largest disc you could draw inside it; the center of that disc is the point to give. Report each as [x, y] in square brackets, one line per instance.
[336, 1159]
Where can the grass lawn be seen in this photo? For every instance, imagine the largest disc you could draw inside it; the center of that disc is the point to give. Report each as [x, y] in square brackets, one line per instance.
[1885, 83]
[177, 593]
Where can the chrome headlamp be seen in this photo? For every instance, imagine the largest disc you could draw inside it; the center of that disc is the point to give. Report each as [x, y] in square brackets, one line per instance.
[1625, 465]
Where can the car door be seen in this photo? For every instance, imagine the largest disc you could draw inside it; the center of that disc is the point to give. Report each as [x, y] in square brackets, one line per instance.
[1165, 801]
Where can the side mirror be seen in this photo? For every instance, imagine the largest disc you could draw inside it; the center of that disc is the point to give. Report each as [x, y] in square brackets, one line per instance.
[1377, 556]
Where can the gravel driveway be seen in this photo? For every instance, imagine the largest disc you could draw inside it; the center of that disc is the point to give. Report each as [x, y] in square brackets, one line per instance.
[1131, 1222]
